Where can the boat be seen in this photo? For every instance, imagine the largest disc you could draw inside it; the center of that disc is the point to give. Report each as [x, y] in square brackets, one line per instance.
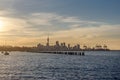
[6, 53]
[2, 51]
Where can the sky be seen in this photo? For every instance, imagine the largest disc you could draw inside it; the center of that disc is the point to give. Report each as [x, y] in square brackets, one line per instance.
[86, 22]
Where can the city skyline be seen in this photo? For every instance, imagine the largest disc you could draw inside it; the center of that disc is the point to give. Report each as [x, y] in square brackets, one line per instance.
[62, 46]
[57, 46]
[28, 22]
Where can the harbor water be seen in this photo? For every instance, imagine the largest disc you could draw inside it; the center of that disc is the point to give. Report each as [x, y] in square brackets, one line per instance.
[95, 65]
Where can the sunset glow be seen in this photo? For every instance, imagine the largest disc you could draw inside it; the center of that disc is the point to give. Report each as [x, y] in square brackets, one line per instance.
[1, 25]
[59, 39]
[28, 25]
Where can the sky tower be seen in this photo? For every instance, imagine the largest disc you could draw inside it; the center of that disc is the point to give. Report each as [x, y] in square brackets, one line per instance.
[48, 41]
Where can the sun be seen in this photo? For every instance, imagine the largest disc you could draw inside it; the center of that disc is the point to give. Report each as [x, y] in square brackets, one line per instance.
[1, 24]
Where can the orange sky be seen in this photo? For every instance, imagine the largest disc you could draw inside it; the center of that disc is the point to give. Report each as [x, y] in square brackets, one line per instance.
[29, 25]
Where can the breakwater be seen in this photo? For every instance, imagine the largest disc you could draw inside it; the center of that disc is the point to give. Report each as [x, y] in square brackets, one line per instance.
[65, 52]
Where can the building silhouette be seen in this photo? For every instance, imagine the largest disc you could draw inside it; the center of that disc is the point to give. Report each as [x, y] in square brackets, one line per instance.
[66, 47]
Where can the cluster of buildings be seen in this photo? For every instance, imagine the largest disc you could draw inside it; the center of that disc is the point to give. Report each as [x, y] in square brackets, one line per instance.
[63, 47]
[57, 47]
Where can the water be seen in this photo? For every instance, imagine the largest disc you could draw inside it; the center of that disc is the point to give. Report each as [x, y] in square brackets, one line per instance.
[99, 65]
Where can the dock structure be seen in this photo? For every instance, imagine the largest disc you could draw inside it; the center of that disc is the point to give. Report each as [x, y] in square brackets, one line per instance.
[81, 53]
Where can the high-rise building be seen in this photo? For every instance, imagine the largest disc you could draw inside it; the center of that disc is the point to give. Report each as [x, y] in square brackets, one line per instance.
[57, 43]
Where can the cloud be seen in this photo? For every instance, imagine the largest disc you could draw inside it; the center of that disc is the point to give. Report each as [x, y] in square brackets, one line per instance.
[54, 22]
[41, 23]
[60, 27]
[106, 31]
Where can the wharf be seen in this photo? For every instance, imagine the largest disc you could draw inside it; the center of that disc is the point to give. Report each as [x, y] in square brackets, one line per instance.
[65, 52]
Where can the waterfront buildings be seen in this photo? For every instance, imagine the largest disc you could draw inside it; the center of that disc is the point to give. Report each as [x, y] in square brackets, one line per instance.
[67, 47]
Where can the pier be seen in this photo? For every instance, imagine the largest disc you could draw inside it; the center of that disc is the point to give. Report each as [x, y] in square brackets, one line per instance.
[80, 53]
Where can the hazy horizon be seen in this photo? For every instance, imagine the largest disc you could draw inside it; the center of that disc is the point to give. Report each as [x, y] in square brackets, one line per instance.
[89, 22]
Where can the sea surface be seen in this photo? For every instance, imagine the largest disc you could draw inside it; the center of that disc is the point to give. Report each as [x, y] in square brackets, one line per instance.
[95, 65]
